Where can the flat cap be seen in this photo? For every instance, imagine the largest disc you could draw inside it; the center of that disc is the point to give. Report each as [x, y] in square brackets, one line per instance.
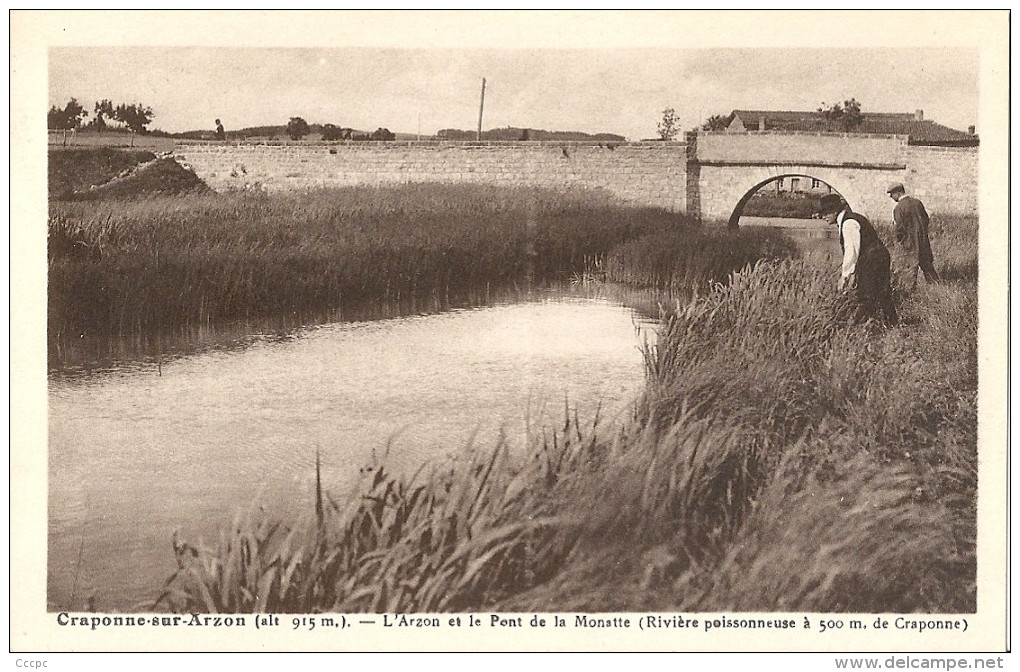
[895, 186]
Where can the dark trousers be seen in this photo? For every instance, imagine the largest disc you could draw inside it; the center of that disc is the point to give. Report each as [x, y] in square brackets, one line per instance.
[905, 266]
[874, 286]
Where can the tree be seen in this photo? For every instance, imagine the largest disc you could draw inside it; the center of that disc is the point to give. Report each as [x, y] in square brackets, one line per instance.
[55, 119]
[297, 128]
[717, 122]
[103, 110]
[852, 117]
[331, 132]
[844, 117]
[382, 134]
[135, 116]
[670, 124]
[66, 119]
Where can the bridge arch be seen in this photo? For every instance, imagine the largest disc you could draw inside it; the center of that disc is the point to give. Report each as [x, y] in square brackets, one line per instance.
[734, 218]
[724, 166]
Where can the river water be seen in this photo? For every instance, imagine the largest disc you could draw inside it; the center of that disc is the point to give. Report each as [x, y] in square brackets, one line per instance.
[140, 448]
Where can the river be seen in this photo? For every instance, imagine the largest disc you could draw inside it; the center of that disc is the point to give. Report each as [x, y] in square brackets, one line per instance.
[139, 448]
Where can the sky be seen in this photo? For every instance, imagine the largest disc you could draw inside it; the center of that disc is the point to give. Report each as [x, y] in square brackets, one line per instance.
[616, 80]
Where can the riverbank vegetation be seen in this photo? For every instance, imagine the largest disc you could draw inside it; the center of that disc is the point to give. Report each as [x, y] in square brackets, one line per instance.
[780, 458]
[766, 202]
[125, 266]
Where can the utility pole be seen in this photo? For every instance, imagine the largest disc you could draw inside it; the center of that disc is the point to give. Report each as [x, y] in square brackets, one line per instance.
[481, 108]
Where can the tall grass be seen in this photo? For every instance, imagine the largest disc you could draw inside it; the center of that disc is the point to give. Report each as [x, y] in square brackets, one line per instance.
[781, 458]
[456, 535]
[688, 259]
[133, 266]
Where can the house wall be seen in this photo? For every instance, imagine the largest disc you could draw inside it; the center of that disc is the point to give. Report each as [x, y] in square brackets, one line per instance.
[651, 174]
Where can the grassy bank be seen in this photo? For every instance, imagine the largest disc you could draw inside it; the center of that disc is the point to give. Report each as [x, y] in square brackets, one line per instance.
[130, 266]
[781, 458]
[76, 170]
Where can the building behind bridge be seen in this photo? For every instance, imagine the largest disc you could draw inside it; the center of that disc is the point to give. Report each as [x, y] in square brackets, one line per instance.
[920, 131]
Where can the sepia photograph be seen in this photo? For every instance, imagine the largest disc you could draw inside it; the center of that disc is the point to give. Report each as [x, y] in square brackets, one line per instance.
[509, 331]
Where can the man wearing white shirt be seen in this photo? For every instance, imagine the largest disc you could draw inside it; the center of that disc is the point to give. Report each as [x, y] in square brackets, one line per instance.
[865, 269]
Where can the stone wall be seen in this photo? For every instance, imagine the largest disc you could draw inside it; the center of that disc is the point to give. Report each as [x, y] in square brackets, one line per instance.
[945, 178]
[723, 187]
[651, 174]
[859, 167]
[708, 175]
[777, 147]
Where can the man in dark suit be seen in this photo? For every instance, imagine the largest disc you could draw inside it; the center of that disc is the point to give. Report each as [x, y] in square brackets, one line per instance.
[913, 249]
[865, 270]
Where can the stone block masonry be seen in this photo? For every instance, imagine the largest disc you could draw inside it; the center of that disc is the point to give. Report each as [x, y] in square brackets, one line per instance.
[647, 174]
[858, 166]
[706, 176]
[944, 178]
[794, 147]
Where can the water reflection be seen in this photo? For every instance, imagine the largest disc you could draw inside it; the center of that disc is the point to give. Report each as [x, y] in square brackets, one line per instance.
[88, 354]
[230, 418]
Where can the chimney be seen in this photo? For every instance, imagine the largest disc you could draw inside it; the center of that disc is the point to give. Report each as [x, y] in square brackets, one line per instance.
[972, 130]
[919, 115]
[761, 122]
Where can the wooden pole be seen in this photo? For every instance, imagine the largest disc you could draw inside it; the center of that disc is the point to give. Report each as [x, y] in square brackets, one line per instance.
[481, 108]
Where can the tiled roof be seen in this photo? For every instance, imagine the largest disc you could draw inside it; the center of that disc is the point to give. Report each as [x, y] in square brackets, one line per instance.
[920, 132]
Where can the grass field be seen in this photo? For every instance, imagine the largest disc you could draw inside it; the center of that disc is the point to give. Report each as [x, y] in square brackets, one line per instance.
[59, 140]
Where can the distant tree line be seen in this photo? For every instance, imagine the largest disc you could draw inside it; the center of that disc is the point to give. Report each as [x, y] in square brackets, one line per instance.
[332, 132]
[298, 128]
[510, 133]
[133, 116]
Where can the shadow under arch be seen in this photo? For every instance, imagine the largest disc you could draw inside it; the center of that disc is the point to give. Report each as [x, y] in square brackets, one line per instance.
[734, 220]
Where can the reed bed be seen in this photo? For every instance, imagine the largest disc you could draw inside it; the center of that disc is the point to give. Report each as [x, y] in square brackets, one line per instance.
[782, 457]
[129, 266]
[457, 535]
[690, 259]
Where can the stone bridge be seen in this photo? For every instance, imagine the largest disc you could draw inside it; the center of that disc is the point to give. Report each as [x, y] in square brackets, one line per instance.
[725, 169]
[709, 176]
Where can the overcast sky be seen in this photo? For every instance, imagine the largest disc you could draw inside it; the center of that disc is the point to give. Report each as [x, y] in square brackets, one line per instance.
[430, 79]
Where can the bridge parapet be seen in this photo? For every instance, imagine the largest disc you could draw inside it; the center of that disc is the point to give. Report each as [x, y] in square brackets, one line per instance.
[801, 148]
